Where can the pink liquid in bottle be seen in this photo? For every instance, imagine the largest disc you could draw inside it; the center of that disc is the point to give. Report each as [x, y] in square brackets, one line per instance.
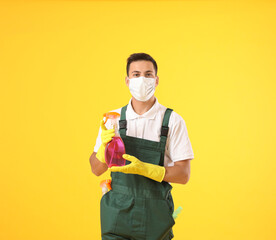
[114, 151]
[115, 148]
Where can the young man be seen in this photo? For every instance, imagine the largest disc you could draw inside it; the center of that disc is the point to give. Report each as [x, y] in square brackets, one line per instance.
[158, 151]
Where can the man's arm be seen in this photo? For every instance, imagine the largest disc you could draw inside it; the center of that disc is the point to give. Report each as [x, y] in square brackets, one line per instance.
[97, 167]
[179, 173]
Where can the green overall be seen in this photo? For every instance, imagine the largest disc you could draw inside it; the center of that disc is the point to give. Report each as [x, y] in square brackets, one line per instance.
[137, 207]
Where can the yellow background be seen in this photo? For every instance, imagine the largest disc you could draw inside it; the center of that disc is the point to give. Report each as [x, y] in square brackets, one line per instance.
[62, 65]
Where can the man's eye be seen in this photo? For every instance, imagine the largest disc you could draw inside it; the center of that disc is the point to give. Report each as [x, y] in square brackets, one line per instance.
[135, 74]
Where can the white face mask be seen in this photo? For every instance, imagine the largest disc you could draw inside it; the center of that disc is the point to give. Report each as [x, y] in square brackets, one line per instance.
[142, 88]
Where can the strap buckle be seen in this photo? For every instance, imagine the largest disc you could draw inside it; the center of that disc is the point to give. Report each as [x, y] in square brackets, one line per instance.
[164, 131]
[122, 124]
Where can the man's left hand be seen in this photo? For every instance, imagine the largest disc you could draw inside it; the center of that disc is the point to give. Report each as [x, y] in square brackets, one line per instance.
[136, 166]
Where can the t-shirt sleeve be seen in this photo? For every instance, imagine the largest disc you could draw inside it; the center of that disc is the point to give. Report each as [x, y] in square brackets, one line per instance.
[179, 146]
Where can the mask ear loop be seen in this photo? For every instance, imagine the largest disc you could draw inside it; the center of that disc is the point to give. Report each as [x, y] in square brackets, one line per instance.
[128, 81]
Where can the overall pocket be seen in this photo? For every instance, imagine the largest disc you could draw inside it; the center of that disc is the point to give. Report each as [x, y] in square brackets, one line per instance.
[159, 219]
[171, 222]
[170, 209]
[107, 220]
[115, 209]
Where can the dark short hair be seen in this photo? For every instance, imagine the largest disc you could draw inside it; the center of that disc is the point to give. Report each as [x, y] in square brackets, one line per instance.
[139, 57]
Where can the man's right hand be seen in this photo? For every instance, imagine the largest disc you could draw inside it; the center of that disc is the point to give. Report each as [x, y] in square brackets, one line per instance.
[106, 137]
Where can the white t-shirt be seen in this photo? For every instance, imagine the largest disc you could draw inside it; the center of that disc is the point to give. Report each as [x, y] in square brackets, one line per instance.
[148, 126]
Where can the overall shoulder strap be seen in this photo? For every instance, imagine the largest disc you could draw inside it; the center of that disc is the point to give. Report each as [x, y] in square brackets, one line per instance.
[122, 121]
[165, 128]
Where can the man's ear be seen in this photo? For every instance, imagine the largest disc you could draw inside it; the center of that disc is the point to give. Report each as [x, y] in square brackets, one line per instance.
[156, 81]
[127, 81]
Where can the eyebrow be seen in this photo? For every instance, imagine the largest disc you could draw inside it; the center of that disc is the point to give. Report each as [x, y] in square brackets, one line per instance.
[139, 71]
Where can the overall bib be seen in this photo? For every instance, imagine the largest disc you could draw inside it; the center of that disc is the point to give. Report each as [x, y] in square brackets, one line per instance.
[137, 207]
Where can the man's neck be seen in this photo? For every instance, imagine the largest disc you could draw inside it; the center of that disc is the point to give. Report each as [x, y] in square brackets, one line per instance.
[142, 107]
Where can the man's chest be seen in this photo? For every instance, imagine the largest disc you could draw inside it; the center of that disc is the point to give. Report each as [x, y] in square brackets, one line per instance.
[144, 128]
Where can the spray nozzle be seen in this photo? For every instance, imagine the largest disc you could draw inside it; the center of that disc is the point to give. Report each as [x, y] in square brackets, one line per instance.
[111, 115]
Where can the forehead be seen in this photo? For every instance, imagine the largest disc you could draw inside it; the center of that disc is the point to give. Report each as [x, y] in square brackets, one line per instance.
[141, 66]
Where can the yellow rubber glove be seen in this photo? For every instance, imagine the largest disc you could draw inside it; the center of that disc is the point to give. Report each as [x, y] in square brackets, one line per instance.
[106, 137]
[136, 166]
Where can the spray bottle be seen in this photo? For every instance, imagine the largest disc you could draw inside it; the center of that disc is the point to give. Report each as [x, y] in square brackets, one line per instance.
[115, 148]
[105, 185]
